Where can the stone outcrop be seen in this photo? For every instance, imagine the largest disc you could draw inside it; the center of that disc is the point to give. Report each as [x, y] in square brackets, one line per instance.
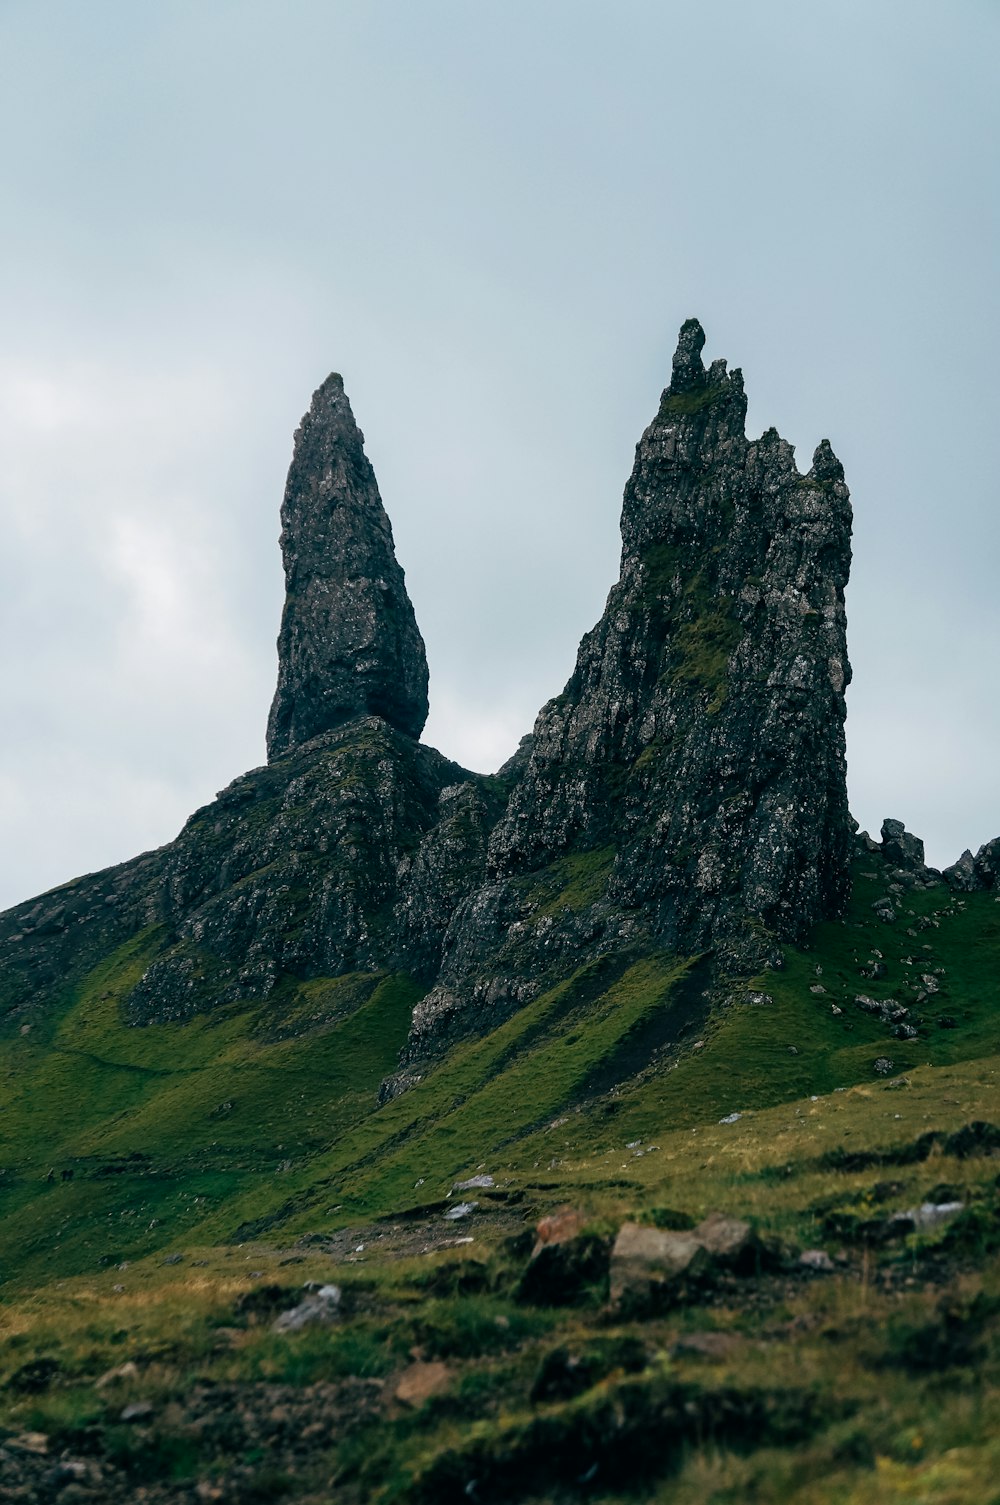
[688, 787]
[685, 792]
[349, 644]
[972, 874]
[703, 728]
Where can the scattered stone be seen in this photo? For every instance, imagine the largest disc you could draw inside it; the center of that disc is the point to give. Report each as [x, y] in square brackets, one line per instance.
[883, 1066]
[929, 1215]
[320, 1307]
[558, 1227]
[121, 1374]
[139, 1410]
[421, 1381]
[460, 1210]
[930, 982]
[28, 1442]
[817, 1259]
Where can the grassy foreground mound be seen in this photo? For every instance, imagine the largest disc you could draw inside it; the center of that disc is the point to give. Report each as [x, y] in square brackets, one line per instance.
[170, 1190]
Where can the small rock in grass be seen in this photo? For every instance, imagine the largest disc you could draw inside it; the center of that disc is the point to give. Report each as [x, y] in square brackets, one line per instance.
[474, 1183]
[460, 1210]
[883, 1066]
[320, 1306]
[173, 1259]
[28, 1442]
[930, 1215]
[138, 1411]
[421, 1381]
[558, 1227]
[731, 1118]
[816, 1259]
[121, 1373]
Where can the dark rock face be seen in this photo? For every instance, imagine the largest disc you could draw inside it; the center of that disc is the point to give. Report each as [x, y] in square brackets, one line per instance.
[694, 765]
[349, 644]
[961, 875]
[971, 874]
[900, 847]
[988, 864]
[294, 871]
[702, 729]
[686, 791]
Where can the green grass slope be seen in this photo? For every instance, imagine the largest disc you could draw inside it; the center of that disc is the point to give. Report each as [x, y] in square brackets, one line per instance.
[248, 1145]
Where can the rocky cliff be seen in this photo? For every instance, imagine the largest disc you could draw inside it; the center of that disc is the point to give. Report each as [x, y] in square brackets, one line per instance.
[685, 792]
[349, 644]
[694, 766]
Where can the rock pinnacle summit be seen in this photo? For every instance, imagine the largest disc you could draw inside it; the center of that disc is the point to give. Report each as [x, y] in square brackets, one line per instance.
[349, 644]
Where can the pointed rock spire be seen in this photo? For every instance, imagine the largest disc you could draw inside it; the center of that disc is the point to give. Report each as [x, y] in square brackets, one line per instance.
[700, 739]
[349, 643]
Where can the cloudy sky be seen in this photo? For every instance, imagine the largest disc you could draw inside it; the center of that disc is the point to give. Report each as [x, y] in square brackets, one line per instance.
[492, 219]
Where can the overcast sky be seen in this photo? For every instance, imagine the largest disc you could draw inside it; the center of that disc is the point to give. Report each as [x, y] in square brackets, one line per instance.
[492, 219]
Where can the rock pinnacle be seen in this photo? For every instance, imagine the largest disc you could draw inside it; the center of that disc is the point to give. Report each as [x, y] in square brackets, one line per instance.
[349, 644]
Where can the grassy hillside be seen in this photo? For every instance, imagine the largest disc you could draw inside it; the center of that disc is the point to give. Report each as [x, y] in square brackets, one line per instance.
[254, 1158]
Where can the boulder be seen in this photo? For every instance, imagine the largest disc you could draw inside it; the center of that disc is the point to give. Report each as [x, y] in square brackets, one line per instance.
[648, 1264]
[900, 847]
[567, 1263]
[729, 1241]
[319, 1307]
[421, 1381]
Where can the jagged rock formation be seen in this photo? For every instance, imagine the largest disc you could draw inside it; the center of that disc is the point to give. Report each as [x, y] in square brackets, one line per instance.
[349, 644]
[686, 791]
[971, 874]
[695, 761]
[904, 855]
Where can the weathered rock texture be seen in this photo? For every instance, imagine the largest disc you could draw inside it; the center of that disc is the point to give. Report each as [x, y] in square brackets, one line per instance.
[688, 785]
[685, 792]
[349, 644]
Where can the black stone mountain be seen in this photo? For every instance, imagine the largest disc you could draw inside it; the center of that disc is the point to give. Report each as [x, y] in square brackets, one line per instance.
[685, 791]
